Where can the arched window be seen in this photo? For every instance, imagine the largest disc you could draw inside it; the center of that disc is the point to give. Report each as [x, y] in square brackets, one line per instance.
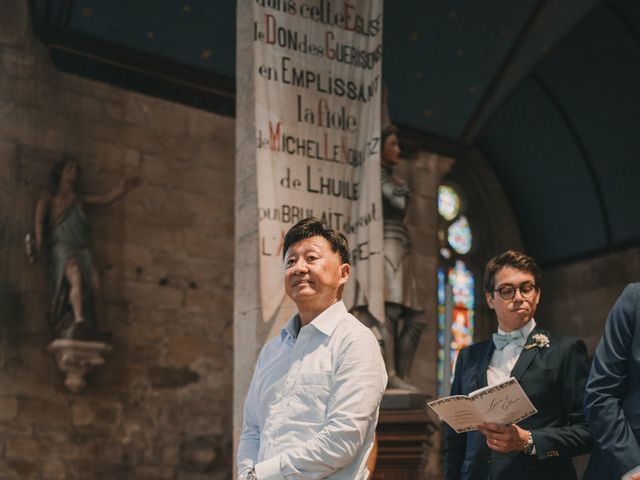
[456, 283]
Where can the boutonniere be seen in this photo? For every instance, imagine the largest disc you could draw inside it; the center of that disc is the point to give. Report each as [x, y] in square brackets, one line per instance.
[540, 340]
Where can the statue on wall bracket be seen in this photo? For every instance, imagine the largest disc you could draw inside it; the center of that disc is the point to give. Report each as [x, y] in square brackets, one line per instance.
[61, 239]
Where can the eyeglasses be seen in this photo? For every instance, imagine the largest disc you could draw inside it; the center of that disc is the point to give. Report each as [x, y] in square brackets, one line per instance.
[507, 292]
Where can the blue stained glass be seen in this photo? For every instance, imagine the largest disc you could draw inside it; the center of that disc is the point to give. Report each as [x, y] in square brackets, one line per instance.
[441, 329]
[463, 284]
[459, 235]
[461, 324]
[440, 286]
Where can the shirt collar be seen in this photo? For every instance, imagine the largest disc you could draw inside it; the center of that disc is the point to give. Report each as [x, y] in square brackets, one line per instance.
[291, 328]
[326, 322]
[526, 329]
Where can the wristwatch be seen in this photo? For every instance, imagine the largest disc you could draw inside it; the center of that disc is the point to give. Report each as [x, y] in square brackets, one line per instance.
[528, 447]
[251, 475]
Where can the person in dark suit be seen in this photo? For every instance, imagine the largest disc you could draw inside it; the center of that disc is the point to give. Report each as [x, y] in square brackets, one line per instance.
[551, 369]
[612, 400]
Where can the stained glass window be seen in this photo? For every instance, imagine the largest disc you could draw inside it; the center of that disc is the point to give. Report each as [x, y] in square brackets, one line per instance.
[459, 235]
[462, 281]
[461, 323]
[448, 202]
[456, 285]
[441, 327]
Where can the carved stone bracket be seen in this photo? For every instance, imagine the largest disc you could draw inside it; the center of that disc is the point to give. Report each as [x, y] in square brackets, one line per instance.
[76, 358]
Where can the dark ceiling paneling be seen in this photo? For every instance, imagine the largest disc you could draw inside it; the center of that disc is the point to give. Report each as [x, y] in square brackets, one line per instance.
[199, 33]
[571, 129]
[595, 76]
[629, 10]
[440, 57]
[182, 51]
[535, 156]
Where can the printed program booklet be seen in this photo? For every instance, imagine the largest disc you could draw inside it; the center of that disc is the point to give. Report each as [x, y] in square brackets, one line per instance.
[504, 403]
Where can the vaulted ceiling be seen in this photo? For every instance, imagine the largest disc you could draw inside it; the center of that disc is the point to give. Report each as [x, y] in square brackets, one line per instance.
[547, 90]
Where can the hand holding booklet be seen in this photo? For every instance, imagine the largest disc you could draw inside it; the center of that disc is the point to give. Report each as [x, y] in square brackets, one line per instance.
[504, 403]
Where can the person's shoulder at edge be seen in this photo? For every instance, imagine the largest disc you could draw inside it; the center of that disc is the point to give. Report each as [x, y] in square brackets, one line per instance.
[634, 286]
[349, 327]
[631, 292]
[354, 324]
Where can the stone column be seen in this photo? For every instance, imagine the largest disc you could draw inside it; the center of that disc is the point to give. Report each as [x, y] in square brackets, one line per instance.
[246, 308]
[424, 173]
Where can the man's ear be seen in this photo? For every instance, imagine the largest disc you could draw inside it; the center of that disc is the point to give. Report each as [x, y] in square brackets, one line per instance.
[538, 296]
[345, 271]
[490, 299]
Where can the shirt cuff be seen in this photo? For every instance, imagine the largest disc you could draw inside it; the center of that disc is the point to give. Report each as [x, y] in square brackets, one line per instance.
[269, 469]
[633, 471]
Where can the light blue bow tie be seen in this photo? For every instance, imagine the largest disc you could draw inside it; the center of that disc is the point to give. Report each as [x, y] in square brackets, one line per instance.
[502, 341]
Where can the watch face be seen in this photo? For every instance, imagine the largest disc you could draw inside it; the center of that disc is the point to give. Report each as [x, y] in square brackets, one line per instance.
[528, 448]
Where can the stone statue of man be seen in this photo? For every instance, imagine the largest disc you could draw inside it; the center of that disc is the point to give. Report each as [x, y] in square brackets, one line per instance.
[404, 314]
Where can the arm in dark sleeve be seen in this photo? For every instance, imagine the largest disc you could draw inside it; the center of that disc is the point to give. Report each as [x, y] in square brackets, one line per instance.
[573, 438]
[455, 444]
[608, 383]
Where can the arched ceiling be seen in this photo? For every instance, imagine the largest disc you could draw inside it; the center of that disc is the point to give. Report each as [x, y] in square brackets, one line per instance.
[548, 91]
[576, 114]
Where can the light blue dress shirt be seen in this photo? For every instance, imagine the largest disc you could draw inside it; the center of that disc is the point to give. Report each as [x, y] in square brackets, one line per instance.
[503, 361]
[312, 407]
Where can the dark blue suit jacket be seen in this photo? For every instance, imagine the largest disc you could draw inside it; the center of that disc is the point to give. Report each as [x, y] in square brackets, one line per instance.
[554, 379]
[612, 401]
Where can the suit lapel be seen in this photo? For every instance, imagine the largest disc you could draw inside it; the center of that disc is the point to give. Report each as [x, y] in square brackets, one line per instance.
[484, 364]
[526, 356]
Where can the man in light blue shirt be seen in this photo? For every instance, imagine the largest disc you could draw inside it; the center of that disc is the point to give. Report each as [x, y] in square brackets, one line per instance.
[312, 407]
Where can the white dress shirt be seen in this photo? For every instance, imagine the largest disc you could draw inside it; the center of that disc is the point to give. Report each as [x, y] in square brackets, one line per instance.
[503, 361]
[312, 407]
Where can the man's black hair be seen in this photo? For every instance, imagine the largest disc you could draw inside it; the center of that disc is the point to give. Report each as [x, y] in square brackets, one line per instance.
[311, 227]
[513, 259]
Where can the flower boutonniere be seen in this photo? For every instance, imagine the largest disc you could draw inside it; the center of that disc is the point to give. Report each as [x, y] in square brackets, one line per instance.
[540, 340]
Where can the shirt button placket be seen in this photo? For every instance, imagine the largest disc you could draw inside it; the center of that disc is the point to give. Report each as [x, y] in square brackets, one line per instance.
[296, 364]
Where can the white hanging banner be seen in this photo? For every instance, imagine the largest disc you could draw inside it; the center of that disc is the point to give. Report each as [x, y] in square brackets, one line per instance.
[317, 77]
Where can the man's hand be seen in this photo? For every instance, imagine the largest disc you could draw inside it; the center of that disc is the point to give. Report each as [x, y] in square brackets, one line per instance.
[504, 438]
[635, 476]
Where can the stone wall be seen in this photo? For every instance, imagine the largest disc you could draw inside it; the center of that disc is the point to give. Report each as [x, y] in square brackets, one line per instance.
[161, 406]
[577, 297]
